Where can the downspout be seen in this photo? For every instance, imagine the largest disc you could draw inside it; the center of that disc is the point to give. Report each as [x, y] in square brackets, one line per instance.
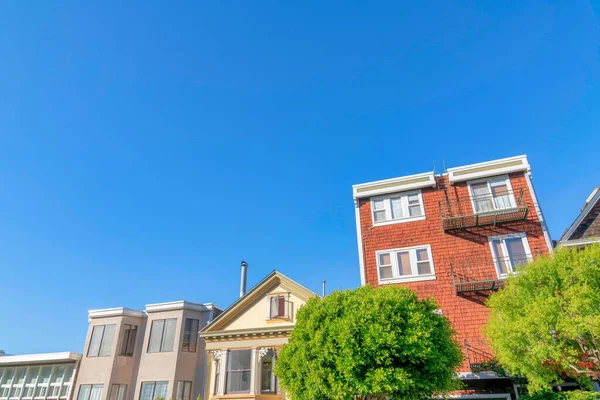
[361, 260]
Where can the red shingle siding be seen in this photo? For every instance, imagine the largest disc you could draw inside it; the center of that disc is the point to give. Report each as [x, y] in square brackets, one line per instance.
[467, 313]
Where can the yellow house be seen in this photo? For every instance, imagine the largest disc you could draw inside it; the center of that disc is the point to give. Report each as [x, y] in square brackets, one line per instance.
[243, 342]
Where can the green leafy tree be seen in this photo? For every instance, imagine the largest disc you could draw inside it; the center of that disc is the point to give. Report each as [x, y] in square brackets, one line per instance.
[369, 344]
[545, 324]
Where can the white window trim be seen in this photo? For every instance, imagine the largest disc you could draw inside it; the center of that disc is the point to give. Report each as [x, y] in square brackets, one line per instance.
[524, 239]
[488, 179]
[286, 297]
[413, 266]
[388, 209]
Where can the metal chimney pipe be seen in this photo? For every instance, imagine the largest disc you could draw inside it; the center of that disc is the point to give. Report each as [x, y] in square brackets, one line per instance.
[243, 278]
[323, 290]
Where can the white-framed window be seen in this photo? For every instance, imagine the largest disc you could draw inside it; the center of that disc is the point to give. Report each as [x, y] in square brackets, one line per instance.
[491, 194]
[405, 265]
[278, 306]
[397, 207]
[509, 251]
[101, 340]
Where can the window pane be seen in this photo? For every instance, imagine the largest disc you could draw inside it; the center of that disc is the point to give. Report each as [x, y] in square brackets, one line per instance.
[95, 341]
[169, 335]
[128, 340]
[238, 381]
[386, 272]
[190, 335]
[114, 392]
[413, 199]
[266, 374]
[147, 391]
[281, 306]
[32, 375]
[500, 257]
[20, 376]
[397, 208]
[415, 211]
[385, 259]
[156, 333]
[107, 339]
[239, 359]
[7, 377]
[161, 390]
[274, 304]
[424, 268]
[45, 375]
[84, 392]
[481, 197]
[183, 390]
[404, 263]
[502, 198]
[379, 216]
[59, 371]
[516, 251]
[378, 205]
[69, 373]
[422, 255]
[187, 394]
[96, 392]
[122, 392]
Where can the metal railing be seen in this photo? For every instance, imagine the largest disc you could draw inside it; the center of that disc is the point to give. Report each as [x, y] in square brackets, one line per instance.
[480, 356]
[490, 209]
[484, 274]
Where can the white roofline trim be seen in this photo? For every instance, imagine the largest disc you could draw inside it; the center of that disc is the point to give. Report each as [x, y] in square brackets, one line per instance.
[400, 184]
[40, 358]
[590, 203]
[178, 305]
[488, 168]
[115, 312]
[578, 242]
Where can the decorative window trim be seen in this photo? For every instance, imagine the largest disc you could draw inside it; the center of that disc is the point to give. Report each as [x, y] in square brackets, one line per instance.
[394, 260]
[506, 179]
[524, 240]
[388, 208]
[286, 307]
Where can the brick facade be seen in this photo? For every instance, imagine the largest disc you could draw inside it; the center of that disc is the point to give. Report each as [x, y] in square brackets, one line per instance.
[466, 312]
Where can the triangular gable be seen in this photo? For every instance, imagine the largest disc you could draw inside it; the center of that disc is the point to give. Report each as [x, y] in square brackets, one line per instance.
[274, 283]
[588, 216]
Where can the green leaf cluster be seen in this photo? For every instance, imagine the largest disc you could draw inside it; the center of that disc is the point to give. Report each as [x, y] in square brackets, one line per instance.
[545, 324]
[369, 344]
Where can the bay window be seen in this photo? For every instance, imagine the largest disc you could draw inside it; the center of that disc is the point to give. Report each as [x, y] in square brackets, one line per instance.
[397, 207]
[405, 265]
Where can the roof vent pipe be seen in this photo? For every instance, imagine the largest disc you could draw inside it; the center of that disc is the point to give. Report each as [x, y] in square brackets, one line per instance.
[323, 290]
[243, 278]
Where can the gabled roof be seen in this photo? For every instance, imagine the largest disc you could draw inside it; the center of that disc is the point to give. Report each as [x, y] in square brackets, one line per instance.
[258, 290]
[590, 203]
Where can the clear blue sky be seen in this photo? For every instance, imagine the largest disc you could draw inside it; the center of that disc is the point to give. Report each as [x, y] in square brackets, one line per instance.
[145, 150]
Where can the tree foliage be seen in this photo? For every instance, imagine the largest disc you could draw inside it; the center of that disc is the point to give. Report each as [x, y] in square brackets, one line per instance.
[545, 324]
[368, 344]
[574, 395]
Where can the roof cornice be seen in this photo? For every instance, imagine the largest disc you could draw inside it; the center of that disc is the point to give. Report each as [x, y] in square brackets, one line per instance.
[400, 184]
[40, 358]
[178, 305]
[115, 312]
[488, 168]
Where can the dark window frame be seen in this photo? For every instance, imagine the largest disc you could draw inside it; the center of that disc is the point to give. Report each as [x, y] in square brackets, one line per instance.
[190, 335]
[128, 340]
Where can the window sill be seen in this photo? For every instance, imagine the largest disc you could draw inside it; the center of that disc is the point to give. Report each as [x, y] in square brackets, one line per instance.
[410, 279]
[276, 320]
[399, 221]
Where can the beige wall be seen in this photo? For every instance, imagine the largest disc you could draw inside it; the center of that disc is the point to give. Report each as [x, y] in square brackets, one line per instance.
[170, 366]
[256, 314]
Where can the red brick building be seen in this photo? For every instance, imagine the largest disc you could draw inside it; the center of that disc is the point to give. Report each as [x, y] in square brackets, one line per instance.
[453, 236]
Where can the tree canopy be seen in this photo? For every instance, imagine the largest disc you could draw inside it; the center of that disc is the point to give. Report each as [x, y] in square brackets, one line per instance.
[369, 343]
[545, 324]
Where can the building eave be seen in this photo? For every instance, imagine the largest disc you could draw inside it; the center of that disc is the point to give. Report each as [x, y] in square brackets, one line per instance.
[400, 184]
[589, 205]
[178, 305]
[488, 168]
[42, 358]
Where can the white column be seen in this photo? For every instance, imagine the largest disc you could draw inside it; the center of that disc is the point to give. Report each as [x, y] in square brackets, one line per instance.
[253, 374]
[223, 367]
